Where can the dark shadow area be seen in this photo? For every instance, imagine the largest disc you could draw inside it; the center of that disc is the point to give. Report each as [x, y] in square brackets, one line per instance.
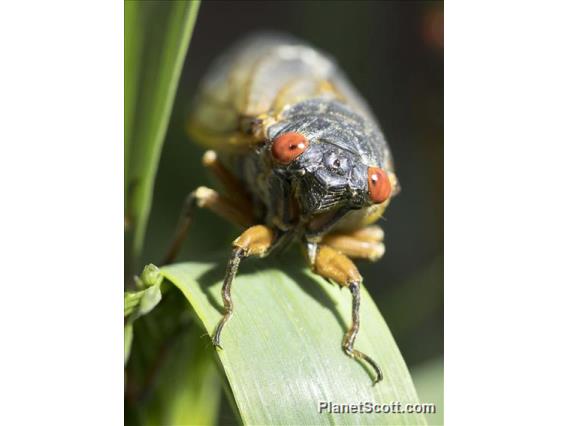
[309, 284]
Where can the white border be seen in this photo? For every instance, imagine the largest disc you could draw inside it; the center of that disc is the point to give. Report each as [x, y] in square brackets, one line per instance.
[505, 210]
[61, 91]
[506, 75]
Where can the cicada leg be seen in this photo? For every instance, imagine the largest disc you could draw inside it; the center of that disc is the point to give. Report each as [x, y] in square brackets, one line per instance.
[230, 182]
[364, 243]
[333, 265]
[235, 208]
[255, 241]
[208, 198]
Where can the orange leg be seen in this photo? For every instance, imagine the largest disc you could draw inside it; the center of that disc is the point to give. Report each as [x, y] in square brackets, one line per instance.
[331, 264]
[365, 243]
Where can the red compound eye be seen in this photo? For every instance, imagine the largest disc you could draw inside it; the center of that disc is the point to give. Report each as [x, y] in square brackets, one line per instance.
[287, 147]
[379, 184]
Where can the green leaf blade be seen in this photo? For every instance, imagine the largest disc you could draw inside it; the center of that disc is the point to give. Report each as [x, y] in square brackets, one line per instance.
[157, 35]
[282, 347]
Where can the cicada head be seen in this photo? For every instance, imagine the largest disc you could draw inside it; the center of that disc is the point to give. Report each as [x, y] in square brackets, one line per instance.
[329, 159]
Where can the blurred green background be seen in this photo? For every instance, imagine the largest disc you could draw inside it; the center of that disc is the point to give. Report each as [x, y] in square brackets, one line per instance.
[393, 53]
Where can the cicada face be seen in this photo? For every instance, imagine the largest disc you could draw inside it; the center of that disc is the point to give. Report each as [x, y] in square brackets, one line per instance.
[323, 155]
[323, 176]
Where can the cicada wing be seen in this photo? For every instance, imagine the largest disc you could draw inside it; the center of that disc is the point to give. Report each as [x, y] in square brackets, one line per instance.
[223, 100]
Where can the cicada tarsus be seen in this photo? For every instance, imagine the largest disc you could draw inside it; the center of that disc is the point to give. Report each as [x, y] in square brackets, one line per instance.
[301, 158]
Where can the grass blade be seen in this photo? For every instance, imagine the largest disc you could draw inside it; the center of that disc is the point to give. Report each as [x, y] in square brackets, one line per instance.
[157, 36]
[282, 349]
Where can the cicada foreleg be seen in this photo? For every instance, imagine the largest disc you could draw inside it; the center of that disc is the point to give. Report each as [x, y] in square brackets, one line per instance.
[335, 266]
[255, 241]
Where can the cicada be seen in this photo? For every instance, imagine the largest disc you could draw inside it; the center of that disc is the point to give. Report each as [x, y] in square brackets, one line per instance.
[301, 158]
